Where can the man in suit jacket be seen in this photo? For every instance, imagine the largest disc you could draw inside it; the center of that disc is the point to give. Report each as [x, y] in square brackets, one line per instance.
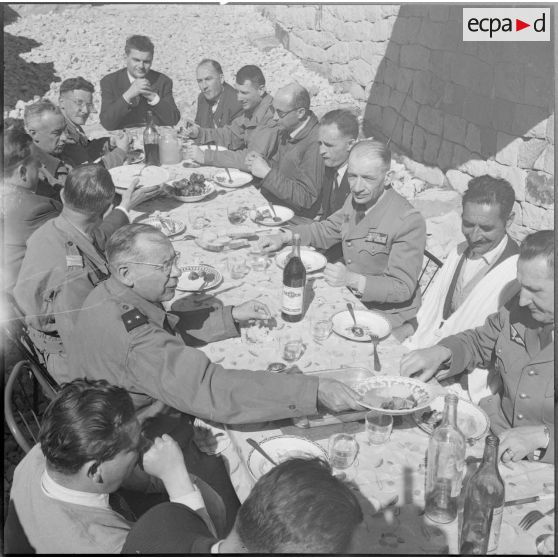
[383, 238]
[127, 94]
[218, 104]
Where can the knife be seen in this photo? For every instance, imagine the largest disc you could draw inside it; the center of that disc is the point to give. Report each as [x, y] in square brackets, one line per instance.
[529, 500]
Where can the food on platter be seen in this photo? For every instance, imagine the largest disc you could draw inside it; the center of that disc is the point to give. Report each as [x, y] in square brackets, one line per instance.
[193, 186]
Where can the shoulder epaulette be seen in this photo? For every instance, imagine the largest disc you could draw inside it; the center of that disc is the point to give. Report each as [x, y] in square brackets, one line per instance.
[132, 317]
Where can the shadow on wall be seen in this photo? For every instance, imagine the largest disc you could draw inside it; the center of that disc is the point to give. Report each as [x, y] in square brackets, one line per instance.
[22, 80]
[467, 101]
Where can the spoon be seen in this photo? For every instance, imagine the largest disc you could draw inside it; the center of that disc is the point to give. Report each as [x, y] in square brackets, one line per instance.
[377, 365]
[258, 448]
[356, 330]
[229, 175]
[275, 218]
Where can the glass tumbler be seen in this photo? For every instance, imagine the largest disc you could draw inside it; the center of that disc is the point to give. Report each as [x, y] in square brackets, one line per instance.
[343, 449]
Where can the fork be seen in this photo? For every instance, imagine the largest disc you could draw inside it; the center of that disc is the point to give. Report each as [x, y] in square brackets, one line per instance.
[532, 517]
[229, 175]
[377, 365]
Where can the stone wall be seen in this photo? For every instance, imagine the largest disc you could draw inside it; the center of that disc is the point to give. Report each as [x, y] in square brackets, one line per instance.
[455, 110]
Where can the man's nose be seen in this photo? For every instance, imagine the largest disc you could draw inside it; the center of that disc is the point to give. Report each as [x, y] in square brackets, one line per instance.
[476, 235]
[63, 137]
[524, 297]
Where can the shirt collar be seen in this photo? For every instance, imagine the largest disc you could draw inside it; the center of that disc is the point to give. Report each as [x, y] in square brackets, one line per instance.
[295, 132]
[131, 78]
[341, 171]
[58, 492]
[215, 548]
[492, 255]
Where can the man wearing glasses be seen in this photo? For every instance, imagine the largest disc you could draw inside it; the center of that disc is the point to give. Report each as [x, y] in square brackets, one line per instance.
[293, 177]
[76, 104]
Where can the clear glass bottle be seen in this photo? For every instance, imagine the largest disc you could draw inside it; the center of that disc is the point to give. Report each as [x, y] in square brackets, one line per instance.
[169, 146]
[294, 281]
[151, 142]
[484, 504]
[445, 465]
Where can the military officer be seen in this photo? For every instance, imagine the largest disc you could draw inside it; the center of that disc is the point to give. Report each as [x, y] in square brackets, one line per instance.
[383, 237]
[520, 337]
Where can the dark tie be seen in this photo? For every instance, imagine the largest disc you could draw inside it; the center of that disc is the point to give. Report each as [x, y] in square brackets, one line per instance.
[360, 212]
[545, 335]
[119, 505]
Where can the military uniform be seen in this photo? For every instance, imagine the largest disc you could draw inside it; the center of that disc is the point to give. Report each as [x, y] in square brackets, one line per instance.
[61, 266]
[386, 246]
[509, 339]
[133, 343]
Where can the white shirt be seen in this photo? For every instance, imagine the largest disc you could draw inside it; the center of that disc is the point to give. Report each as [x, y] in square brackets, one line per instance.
[472, 267]
[294, 133]
[340, 174]
[155, 100]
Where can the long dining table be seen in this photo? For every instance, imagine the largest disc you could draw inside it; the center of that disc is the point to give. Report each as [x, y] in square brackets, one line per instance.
[390, 486]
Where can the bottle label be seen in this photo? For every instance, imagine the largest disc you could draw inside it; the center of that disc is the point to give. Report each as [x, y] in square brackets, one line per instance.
[494, 536]
[292, 300]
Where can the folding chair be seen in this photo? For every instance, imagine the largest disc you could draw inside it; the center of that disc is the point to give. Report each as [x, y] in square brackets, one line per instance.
[430, 267]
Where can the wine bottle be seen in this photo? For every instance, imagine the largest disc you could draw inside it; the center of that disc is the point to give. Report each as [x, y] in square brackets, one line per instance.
[484, 504]
[294, 281]
[445, 465]
[151, 142]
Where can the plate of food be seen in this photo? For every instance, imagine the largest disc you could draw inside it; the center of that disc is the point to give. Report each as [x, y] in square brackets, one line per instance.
[135, 156]
[263, 215]
[239, 178]
[282, 448]
[217, 242]
[148, 175]
[371, 322]
[197, 278]
[395, 395]
[471, 420]
[192, 189]
[312, 260]
[167, 225]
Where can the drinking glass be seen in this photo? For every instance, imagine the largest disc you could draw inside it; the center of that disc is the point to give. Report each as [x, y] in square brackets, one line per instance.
[237, 214]
[258, 262]
[292, 347]
[378, 427]
[321, 329]
[343, 449]
[198, 219]
[238, 267]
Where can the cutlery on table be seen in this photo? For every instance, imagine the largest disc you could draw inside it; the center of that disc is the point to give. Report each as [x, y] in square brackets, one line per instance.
[276, 219]
[356, 330]
[229, 175]
[532, 517]
[259, 449]
[375, 340]
[529, 500]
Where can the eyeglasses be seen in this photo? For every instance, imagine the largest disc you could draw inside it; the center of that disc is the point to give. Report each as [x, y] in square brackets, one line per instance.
[166, 266]
[282, 114]
[82, 104]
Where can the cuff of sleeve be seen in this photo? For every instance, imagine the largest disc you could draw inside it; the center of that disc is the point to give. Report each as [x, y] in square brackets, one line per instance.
[457, 361]
[193, 500]
[231, 327]
[125, 211]
[154, 101]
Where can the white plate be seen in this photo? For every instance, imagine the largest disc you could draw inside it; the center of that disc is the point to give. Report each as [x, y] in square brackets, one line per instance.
[179, 226]
[135, 156]
[396, 386]
[206, 147]
[209, 189]
[196, 285]
[312, 260]
[239, 178]
[471, 420]
[281, 448]
[150, 176]
[373, 322]
[284, 213]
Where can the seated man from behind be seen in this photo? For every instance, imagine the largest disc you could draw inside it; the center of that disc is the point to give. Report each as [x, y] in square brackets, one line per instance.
[254, 129]
[476, 277]
[218, 104]
[293, 177]
[64, 260]
[76, 102]
[298, 507]
[519, 338]
[382, 235]
[89, 444]
[127, 94]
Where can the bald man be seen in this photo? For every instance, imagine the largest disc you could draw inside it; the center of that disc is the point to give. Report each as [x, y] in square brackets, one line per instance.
[293, 177]
[382, 235]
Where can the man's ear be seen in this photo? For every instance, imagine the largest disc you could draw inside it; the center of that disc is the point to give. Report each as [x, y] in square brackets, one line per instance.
[21, 172]
[509, 220]
[221, 78]
[93, 471]
[389, 176]
[350, 144]
[124, 274]
[261, 90]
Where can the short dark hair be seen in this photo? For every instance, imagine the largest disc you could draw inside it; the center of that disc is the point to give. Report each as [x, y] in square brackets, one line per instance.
[17, 149]
[213, 63]
[87, 420]
[76, 84]
[345, 120]
[373, 148]
[250, 73]
[89, 189]
[139, 42]
[298, 507]
[539, 244]
[487, 190]
[123, 244]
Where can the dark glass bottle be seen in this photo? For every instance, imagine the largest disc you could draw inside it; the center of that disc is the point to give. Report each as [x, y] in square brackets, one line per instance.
[445, 465]
[151, 142]
[484, 504]
[294, 281]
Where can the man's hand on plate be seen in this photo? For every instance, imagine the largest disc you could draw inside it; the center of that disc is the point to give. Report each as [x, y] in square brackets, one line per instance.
[516, 443]
[249, 310]
[425, 361]
[137, 194]
[337, 396]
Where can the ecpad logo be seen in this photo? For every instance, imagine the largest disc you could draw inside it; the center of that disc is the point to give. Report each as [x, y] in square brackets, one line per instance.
[506, 24]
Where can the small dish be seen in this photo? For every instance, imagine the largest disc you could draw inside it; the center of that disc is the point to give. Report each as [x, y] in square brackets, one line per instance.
[167, 225]
[373, 323]
[239, 178]
[209, 189]
[283, 213]
[194, 278]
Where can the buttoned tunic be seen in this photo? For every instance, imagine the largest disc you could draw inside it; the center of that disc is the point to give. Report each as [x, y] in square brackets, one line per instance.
[149, 358]
[387, 247]
[509, 339]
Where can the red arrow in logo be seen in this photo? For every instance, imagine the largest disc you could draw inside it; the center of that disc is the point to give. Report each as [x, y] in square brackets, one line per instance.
[519, 25]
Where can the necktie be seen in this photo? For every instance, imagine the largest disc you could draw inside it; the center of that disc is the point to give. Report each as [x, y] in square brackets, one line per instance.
[119, 505]
[545, 335]
[360, 212]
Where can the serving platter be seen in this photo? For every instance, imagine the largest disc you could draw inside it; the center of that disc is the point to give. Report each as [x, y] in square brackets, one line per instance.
[283, 213]
[239, 178]
[124, 175]
[167, 225]
[209, 189]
